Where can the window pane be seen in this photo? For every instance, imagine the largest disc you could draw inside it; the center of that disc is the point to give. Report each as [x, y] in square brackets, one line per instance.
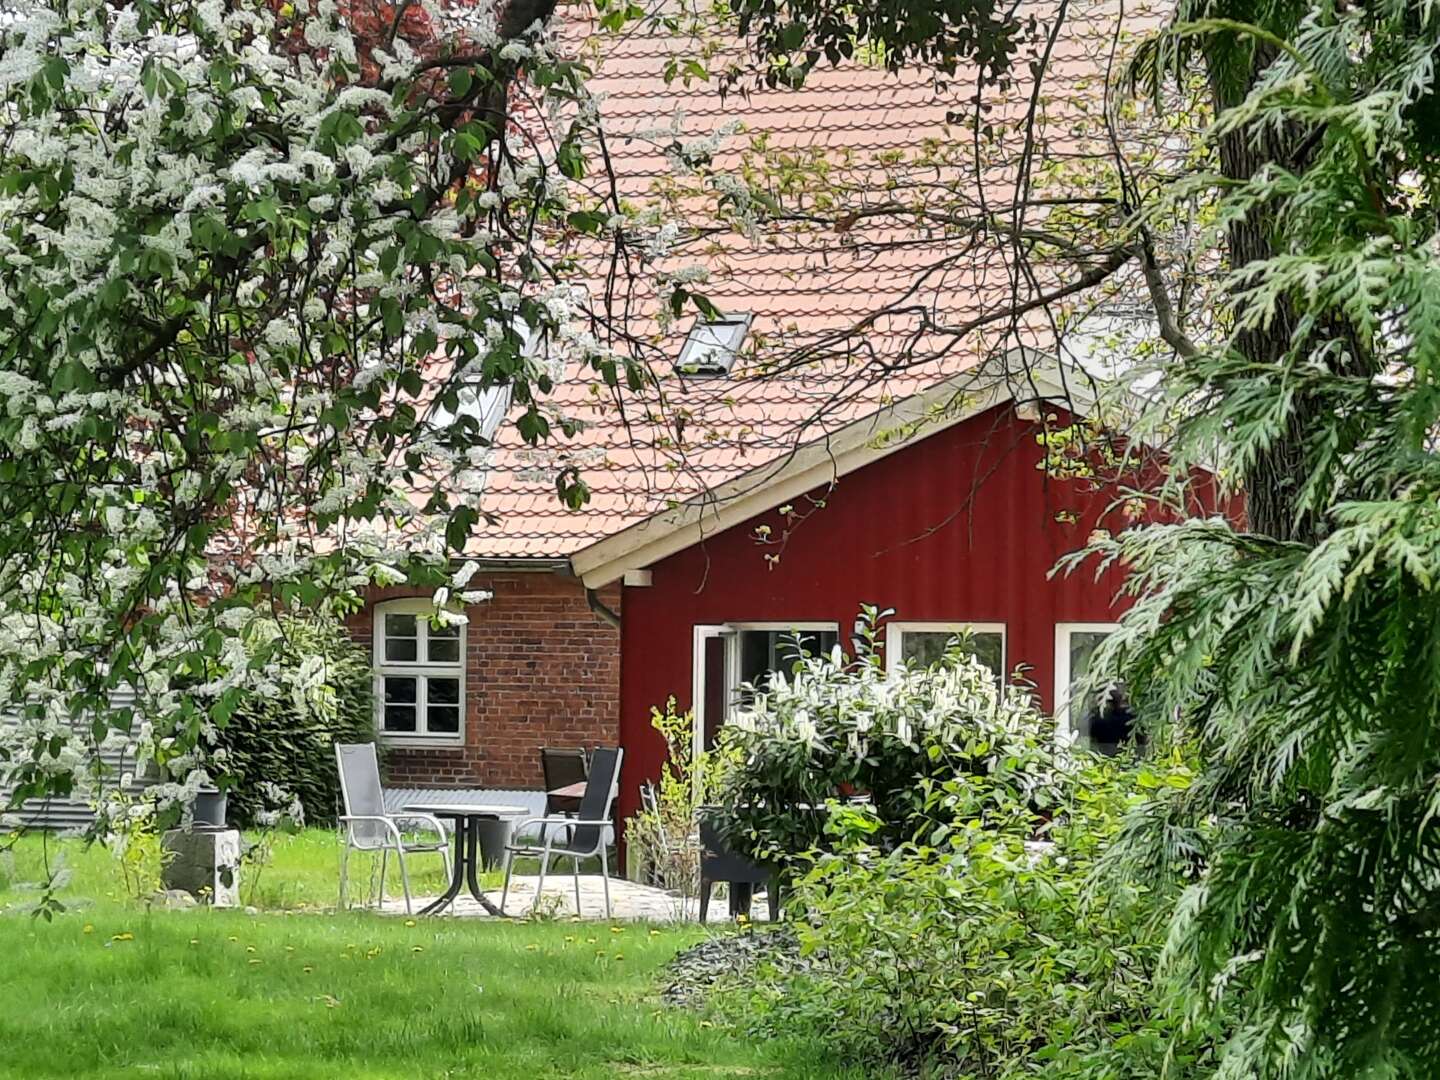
[400, 689]
[1083, 644]
[926, 647]
[755, 655]
[400, 638]
[443, 691]
[1102, 718]
[765, 651]
[397, 625]
[400, 650]
[445, 645]
[989, 649]
[717, 695]
[399, 717]
[444, 719]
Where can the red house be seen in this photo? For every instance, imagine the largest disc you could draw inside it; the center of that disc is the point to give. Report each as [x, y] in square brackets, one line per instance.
[728, 508]
[956, 527]
[957, 530]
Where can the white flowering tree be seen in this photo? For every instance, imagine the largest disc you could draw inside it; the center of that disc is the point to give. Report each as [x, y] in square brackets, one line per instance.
[253, 258]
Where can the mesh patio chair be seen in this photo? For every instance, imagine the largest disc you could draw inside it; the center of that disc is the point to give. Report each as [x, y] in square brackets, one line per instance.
[369, 828]
[587, 830]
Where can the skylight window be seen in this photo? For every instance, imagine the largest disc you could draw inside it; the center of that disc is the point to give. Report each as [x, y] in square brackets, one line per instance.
[712, 345]
[487, 406]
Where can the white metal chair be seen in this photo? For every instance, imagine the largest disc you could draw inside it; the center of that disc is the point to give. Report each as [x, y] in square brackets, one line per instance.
[369, 828]
[586, 830]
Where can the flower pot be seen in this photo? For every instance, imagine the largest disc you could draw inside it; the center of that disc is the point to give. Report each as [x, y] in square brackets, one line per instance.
[209, 807]
[494, 834]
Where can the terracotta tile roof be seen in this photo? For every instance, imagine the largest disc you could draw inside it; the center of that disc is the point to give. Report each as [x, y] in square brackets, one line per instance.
[807, 287]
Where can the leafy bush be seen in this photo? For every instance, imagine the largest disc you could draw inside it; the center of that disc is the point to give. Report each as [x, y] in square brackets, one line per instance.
[135, 843]
[833, 727]
[278, 745]
[662, 833]
[981, 952]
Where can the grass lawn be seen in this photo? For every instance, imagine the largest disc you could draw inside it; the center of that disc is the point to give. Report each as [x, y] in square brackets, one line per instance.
[110, 989]
[303, 872]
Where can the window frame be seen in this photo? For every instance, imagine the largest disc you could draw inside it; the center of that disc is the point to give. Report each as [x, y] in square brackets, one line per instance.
[728, 354]
[421, 670]
[733, 656]
[729, 633]
[896, 630]
[1063, 632]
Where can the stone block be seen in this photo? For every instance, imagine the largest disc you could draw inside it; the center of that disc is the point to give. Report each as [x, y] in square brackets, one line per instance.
[204, 863]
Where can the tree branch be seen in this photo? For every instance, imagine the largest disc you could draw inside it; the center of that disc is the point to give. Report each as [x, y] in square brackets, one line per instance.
[1170, 330]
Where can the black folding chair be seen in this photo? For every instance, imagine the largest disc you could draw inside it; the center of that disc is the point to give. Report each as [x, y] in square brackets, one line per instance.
[587, 830]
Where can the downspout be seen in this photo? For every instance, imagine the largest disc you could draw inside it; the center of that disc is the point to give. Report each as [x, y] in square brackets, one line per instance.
[592, 597]
[598, 607]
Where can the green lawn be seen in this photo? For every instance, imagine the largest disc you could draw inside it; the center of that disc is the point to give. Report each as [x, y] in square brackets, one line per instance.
[110, 989]
[302, 872]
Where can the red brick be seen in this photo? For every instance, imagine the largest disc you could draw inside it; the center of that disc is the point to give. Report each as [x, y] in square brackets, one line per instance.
[541, 669]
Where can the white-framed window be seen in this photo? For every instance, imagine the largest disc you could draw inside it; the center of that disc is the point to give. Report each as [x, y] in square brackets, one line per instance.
[713, 345]
[760, 649]
[727, 656]
[923, 643]
[419, 675]
[1075, 645]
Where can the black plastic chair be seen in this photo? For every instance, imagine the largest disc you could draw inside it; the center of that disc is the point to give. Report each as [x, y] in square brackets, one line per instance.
[719, 863]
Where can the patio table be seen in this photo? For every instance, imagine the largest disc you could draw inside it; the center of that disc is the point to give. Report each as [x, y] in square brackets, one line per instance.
[569, 791]
[464, 868]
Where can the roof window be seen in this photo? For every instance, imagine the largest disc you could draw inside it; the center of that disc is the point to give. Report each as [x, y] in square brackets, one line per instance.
[712, 346]
[487, 406]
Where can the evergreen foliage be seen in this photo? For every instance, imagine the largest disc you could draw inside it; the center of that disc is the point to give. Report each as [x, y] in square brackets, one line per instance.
[1307, 669]
[278, 746]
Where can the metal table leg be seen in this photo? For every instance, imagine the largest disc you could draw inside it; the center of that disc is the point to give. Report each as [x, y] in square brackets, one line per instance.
[472, 868]
[457, 872]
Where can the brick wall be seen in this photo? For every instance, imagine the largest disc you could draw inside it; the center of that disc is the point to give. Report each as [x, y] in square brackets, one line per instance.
[541, 669]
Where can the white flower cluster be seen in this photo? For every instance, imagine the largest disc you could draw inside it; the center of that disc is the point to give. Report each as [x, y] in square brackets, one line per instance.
[227, 250]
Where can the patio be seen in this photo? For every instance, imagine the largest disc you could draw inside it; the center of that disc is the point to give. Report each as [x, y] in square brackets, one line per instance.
[631, 902]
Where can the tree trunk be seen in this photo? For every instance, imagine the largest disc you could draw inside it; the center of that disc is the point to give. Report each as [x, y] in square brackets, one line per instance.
[1275, 479]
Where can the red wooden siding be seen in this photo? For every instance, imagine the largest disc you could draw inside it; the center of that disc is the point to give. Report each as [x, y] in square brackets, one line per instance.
[961, 526]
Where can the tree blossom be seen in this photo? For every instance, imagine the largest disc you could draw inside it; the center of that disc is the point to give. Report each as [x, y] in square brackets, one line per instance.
[250, 252]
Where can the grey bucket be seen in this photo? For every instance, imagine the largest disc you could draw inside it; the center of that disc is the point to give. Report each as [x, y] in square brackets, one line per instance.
[209, 807]
[494, 834]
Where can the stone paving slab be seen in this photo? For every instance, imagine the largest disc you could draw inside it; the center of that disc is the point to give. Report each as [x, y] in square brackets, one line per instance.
[631, 902]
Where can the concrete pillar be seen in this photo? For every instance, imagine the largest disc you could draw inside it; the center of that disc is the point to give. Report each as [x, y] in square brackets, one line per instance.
[204, 862]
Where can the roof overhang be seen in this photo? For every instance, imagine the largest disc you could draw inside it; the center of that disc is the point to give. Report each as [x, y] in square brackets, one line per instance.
[816, 463]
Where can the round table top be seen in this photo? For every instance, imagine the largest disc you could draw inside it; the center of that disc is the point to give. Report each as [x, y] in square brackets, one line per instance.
[458, 810]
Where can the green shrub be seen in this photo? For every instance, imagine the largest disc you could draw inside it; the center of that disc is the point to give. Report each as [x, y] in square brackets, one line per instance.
[661, 835]
[983, 952]
[834, 726]
[278, 745]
